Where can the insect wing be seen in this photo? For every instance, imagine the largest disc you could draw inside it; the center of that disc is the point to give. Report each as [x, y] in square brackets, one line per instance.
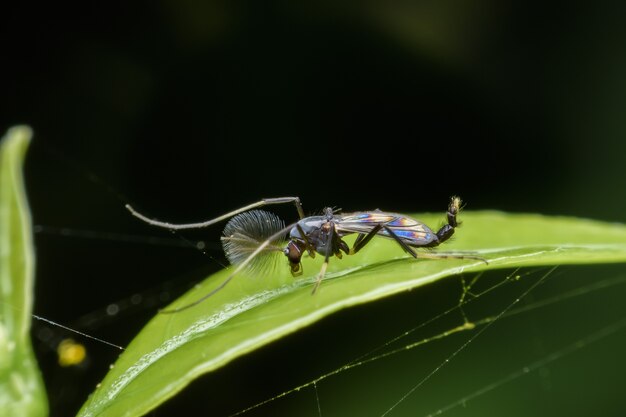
[411, 231]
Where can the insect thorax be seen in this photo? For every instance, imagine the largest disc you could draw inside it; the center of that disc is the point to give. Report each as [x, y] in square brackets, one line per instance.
[316, 230]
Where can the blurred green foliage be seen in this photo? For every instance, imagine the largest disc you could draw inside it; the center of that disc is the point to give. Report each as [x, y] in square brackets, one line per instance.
[21, 388]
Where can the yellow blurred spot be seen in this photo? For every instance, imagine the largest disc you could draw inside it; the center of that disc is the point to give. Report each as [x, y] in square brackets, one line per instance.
[71, 353]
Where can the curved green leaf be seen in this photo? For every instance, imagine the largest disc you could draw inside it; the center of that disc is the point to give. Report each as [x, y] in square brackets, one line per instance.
[251, 312]
[21, 387]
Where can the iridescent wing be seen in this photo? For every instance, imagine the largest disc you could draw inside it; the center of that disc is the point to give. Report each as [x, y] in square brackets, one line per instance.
[411, 231]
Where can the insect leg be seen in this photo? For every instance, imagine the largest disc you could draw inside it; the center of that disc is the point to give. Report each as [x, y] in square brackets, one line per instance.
[359, 238]
[450, 255]
[432, 255]
[331, 241]
[260, 203]
[401, 242]
[309, 248]
[320, 276]
[363, 240]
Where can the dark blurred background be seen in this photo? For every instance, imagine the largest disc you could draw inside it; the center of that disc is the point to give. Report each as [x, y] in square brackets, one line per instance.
[190, 109]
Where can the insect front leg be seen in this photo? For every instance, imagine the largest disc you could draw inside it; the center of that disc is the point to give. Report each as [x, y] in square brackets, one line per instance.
[309, 247]
[260, 203]
[334, 241]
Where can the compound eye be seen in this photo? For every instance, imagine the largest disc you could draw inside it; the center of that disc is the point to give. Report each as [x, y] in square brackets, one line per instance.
[293, 253]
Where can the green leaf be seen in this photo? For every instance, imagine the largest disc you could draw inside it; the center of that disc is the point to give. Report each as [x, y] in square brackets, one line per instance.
[250, 312]
[21, 387]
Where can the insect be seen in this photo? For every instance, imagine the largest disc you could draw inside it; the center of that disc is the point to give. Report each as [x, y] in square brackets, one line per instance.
[251, 232]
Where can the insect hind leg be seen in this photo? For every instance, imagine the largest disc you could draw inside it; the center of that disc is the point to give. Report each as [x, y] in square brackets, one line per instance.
[450, 255]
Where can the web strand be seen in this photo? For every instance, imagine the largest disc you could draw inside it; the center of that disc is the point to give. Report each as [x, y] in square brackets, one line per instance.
[470, 340]
[77, 332]
[567, 350]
